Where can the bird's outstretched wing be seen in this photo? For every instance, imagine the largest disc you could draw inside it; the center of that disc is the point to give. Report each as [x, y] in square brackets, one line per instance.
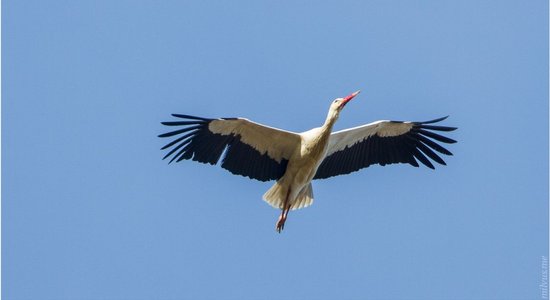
[251, 149]
[383, 142]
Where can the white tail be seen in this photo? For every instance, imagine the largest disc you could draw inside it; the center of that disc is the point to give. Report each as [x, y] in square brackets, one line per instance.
[276, 194]
[304, 199]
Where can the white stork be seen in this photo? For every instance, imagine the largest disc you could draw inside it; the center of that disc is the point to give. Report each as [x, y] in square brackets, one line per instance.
[294, 159]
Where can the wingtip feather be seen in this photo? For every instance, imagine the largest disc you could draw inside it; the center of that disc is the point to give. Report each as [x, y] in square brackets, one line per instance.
[434, 120]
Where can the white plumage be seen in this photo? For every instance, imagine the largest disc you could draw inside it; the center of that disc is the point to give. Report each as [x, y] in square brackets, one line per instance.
[295, 159]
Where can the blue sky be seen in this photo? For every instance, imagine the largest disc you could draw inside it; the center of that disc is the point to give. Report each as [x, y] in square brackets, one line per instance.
[90, 211]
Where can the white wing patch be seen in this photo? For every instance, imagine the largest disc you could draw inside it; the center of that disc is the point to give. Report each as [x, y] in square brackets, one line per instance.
[393, 129]
[343, 139]
[278, 144]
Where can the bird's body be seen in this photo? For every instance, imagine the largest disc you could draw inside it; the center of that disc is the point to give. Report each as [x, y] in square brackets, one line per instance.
[293, 190]
[295, 159]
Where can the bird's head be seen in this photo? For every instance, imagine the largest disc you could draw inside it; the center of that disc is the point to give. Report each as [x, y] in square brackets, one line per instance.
[338, 104]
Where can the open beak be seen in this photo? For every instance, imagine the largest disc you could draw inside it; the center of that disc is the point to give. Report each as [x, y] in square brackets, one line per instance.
[348, 98]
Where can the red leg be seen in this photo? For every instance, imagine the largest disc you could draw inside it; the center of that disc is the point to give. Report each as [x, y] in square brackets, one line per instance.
[282, 219]
[280, 223]
[284, 213]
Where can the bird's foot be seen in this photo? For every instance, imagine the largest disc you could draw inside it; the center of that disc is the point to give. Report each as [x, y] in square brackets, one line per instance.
[280, 224]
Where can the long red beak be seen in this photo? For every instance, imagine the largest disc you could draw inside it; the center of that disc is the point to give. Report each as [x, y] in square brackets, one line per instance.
[348, 98]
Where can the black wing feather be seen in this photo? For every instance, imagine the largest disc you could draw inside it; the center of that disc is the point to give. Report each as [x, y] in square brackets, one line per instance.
[410, 148]
[202, 145]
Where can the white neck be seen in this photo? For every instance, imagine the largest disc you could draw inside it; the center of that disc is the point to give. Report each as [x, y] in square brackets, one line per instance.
[331, 119]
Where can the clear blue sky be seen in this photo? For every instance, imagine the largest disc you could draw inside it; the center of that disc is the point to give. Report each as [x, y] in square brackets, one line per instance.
[90, 211]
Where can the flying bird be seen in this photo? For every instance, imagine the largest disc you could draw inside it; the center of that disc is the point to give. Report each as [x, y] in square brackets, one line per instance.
[294, 159]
